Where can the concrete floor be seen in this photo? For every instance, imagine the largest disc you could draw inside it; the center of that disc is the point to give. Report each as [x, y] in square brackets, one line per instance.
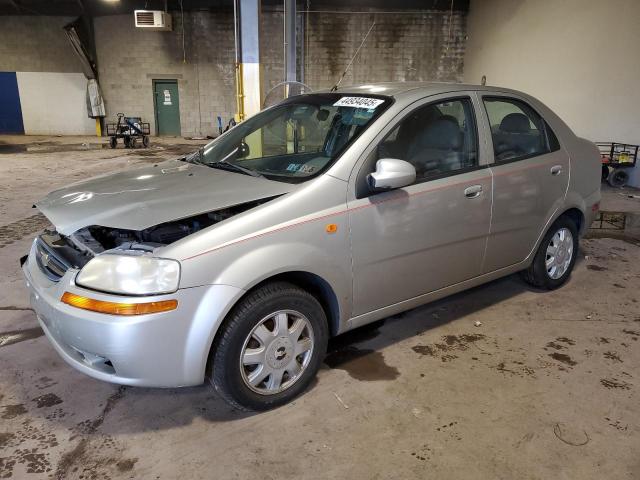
[547, 387]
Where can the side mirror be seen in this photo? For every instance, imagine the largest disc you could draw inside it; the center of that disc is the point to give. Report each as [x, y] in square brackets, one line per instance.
[243, 150]
[391, 173]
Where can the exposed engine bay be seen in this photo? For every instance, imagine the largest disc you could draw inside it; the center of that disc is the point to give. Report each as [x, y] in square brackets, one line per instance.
[80, 247]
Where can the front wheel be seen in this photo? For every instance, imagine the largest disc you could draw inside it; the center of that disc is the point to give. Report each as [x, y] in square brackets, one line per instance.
[556, 256]
[270, 347]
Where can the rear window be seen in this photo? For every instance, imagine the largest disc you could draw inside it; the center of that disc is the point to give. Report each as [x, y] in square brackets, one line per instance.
[517, 131]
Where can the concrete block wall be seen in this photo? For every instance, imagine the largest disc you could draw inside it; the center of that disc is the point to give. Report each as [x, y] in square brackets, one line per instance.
[426, 46]
[36, 44]
[130, 58]
[415, 46]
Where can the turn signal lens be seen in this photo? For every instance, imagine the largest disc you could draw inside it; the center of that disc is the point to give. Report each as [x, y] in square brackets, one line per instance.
[114, 308]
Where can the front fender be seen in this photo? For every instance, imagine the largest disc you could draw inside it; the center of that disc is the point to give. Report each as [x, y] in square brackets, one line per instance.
[304, 247]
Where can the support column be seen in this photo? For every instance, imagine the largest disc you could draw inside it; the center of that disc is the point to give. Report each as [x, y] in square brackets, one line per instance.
[248, 81]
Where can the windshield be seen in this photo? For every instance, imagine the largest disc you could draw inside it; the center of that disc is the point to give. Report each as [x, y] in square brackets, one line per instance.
[296, 139]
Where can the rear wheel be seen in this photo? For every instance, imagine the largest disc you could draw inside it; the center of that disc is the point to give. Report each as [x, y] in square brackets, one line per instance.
[269, 348]
[556, 256]
[145, 141]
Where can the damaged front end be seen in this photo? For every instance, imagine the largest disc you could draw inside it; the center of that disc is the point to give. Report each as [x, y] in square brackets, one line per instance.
[57, 253]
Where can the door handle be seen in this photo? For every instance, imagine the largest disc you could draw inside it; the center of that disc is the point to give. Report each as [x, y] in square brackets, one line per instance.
[473, 191]
[556, 170]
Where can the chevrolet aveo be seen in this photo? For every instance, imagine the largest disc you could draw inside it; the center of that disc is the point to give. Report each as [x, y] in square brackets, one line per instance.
[328, 211]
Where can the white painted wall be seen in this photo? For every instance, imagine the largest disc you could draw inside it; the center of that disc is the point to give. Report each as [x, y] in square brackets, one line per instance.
[54, 103]
[579, 57]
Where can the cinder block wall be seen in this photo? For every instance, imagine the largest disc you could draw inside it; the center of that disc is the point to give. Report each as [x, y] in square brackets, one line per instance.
[426, 46]
[402, 46]
[130, 58]
[36, 44]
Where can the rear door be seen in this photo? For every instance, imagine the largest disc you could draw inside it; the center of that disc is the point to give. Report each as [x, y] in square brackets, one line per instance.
[530, 178]
[414, 240]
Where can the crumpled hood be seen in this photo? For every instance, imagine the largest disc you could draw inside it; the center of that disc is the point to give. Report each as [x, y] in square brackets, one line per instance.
[141, 198]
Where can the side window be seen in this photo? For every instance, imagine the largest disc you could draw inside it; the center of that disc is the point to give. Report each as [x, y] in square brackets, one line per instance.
[437, 139]
[517, 130]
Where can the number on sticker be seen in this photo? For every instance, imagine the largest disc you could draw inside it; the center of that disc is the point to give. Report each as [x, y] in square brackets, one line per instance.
[358, 102]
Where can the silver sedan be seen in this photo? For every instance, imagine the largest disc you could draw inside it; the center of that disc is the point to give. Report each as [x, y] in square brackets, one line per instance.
[328, 211]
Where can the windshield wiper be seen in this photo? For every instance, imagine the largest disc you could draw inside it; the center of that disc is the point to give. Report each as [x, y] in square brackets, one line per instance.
[233, 167]
[194, 157]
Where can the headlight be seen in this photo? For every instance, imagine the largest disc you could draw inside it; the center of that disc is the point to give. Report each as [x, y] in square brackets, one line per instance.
[130, 275]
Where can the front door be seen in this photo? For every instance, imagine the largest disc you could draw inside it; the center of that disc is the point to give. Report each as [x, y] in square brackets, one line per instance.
[167, 106]
[531, 174]
[429, 235]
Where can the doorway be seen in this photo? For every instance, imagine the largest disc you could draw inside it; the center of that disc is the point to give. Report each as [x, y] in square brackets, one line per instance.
[167, 107]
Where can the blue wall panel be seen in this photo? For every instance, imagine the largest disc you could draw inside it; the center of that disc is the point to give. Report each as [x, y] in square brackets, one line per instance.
[10, 111]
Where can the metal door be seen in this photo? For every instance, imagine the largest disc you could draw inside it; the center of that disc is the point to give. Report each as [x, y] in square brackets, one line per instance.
[167, 105]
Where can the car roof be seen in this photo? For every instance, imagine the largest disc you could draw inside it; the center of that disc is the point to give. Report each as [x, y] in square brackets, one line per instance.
[398, 89]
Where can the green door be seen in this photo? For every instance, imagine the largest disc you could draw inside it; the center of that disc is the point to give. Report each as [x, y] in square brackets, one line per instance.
[167, 107]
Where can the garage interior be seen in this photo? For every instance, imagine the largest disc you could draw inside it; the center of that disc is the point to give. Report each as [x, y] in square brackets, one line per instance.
[502, 381]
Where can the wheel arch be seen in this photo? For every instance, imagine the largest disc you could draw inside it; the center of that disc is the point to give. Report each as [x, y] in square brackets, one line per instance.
[577, 216]
[310, 282]
[316, 286]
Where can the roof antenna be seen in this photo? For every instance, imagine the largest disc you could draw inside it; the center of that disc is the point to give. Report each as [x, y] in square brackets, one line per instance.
[335, 87]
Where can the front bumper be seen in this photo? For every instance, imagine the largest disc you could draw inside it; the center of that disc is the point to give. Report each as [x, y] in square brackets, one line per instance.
[167, 349]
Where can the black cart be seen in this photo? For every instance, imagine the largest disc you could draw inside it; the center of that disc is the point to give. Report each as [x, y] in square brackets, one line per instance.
[130, 129]
[616, 158]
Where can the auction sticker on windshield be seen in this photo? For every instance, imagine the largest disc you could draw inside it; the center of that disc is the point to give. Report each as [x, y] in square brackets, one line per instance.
[358, 102]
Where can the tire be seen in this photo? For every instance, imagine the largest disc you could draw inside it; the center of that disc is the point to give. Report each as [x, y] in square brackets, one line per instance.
[538, 274]
[126, 142]
[252, 385]
[145, 141]
[605, 173]
[113, 142]
[618, 177]
[133, 142]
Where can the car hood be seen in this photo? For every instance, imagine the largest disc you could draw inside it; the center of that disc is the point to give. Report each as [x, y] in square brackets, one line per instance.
[141, 198]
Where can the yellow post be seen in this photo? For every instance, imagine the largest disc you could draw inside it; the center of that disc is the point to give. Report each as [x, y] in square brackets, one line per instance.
[98, 127]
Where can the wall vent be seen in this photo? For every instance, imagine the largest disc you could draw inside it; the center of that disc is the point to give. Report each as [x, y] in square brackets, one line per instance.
[153, 20]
